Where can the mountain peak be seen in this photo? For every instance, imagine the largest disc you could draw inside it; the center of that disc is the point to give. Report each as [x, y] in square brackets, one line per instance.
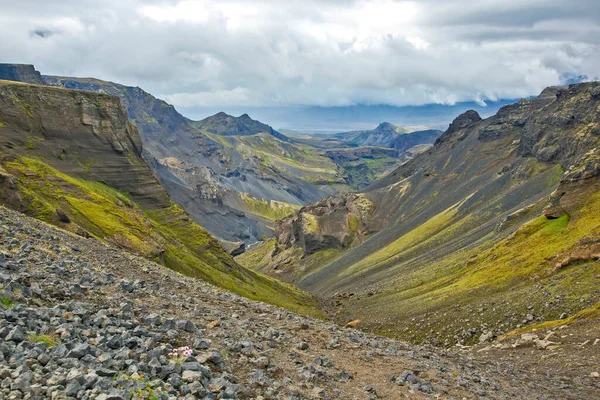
[228, 125]
[463, 120]
[386, 125]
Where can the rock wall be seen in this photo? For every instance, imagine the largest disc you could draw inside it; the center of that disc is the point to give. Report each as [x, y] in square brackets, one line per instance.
[21, 73]
[83, 134]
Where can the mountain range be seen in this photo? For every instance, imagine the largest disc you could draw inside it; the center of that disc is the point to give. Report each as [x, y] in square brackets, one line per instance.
[487, 229]
[484, 232]
[233, 175]
[72, 158]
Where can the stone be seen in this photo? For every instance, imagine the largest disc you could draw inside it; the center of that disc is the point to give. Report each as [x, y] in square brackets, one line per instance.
[302, 346]
[17, 334]
[191, 376]
[79, 350]
[126, 286]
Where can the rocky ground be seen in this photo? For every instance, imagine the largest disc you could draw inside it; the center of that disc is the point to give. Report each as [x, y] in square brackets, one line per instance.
[81, 319]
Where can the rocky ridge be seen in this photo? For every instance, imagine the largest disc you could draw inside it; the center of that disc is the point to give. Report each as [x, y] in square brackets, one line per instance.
[81, 319]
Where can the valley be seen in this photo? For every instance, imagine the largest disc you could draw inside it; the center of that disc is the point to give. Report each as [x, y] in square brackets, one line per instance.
[493, 228]
[483, 239]
[233, 174]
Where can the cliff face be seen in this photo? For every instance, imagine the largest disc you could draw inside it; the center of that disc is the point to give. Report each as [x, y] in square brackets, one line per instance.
[83, 134]
[20, 73]
[73, 159]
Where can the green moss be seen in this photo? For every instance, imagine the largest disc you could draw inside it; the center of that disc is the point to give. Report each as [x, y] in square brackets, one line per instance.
[30, 142]
[406, 242]
[257, 257]
[353, 223]
[1, 124]
[50, 339]
[166, 233]
[587, 313]
[310, 223]
[88, 164]
[269, 209]
[498, 272]
[6, 302]
[315, 262]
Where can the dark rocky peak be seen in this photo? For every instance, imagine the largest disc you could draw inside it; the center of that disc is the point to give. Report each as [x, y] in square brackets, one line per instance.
[463, 120]
[551, 91]
[21, 73]
[460, 123]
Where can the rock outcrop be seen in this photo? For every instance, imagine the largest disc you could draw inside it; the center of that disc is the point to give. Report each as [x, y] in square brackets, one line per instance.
[21, 73]
[334, 222]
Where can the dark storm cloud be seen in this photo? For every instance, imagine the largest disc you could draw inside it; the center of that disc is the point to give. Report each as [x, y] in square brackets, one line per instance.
[279, 53]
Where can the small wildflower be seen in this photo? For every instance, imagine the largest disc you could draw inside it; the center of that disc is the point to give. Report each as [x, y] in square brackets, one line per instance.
[181, 352]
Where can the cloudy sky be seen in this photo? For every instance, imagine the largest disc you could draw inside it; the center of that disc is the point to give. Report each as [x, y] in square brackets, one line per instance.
[261, 53]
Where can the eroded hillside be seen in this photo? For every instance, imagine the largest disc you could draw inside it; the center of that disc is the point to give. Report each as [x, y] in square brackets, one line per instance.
[493, 228]
[233, 175]
[72, 158]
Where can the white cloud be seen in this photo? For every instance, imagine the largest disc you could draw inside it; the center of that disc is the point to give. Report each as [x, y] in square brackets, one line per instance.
[309, 52]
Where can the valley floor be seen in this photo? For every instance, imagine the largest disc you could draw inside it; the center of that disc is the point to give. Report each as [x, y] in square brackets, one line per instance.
[82, 319]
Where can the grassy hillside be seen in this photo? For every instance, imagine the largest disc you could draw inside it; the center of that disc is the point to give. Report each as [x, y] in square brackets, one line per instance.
[71, 158]
[166, 235]
[306, 161]
[493, 228]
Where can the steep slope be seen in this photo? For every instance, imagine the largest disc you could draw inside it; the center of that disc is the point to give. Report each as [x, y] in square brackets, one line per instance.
[99, 323]
[72, 158]
[495, 226]
[211, 167]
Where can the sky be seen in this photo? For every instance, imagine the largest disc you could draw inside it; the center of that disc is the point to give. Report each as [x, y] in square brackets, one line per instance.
[203, 55]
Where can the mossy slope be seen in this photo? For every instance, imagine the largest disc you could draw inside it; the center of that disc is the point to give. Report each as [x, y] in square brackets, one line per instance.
[54, 180]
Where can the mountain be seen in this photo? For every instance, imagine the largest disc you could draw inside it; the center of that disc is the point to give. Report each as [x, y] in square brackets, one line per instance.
[383, 135]
[232, 175]
[388, 135]
[495, 227]
[227, 125]
[409, 140]
[73, 159]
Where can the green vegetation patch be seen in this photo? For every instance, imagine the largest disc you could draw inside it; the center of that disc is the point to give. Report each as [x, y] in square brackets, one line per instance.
[50, 339]
[166, 235]
[257, 257]
[269, 209]
[6, 302]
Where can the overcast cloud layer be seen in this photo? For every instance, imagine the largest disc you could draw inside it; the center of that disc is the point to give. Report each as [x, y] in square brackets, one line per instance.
[197, 53]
